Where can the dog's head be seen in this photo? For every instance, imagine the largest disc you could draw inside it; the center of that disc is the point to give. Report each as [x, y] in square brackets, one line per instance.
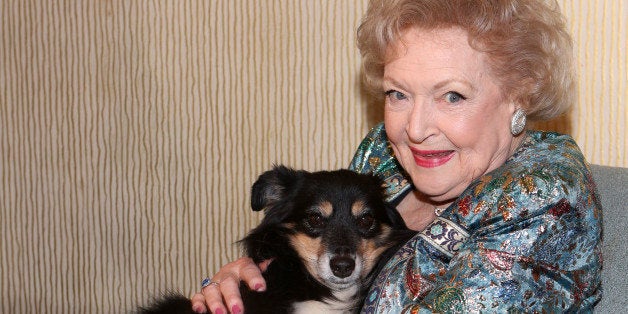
[336, 221]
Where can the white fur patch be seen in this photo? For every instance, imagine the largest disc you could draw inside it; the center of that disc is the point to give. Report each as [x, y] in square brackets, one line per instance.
[330, 280]
[345, 303]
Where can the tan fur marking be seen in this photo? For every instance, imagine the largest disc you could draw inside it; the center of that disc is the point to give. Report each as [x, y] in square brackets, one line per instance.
[310, 249]
[326, 208]
[371, 249]
[357, 208]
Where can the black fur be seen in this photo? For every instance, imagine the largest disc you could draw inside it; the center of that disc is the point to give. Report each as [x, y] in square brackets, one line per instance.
[293, 201]
[169, 303]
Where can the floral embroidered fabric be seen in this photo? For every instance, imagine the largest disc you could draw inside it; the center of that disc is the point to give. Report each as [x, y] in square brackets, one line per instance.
[374, 155]
[522, 238]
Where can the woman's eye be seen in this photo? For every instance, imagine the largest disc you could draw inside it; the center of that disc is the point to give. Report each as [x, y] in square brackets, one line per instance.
[453, 97]
[395, 95]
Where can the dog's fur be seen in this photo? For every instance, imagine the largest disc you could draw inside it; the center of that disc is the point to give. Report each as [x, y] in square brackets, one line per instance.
[328, 234]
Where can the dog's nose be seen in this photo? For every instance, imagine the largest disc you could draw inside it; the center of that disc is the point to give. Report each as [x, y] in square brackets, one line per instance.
[342, 266]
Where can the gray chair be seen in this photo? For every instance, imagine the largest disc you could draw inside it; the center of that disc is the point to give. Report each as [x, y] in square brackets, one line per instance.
[612, 184]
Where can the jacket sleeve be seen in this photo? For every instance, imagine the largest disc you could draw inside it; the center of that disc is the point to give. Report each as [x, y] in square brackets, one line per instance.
[535, 247]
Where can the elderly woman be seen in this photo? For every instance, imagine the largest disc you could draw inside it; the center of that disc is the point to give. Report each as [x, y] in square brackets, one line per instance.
[509, 219]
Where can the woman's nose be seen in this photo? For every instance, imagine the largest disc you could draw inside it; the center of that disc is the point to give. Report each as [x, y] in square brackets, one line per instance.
[420, 123]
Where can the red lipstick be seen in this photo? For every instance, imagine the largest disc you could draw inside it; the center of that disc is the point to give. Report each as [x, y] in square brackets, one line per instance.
[431, 158]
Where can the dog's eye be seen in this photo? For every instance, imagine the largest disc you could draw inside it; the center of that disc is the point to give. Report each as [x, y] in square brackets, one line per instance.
[315, 220]
[366, 222]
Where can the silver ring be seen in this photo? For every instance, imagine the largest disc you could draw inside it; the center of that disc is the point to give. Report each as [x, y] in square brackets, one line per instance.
[208, 282]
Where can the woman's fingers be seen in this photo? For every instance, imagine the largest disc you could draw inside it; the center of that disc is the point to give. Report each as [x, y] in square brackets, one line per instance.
[251, 274]
[198, 303]
[221, 295]
[230, 289]
[264, 265]
[213, 299]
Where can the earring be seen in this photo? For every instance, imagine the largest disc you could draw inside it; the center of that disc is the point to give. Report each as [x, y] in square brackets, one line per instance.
[518, 122]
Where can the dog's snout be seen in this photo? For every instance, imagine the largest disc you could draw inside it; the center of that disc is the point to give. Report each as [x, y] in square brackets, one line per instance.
[342, 266]
[342, 250]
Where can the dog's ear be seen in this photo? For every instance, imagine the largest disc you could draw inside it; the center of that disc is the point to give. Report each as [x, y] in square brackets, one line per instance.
[274, 186]
[395, 218]
[391, 212]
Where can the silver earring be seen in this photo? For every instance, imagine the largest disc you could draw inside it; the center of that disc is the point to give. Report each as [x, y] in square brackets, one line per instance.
[518, 122]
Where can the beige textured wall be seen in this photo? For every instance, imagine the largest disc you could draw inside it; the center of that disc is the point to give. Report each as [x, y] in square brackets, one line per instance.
[131, 131]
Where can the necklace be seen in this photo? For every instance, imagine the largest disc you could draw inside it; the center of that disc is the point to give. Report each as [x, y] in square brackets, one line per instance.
[439, 210]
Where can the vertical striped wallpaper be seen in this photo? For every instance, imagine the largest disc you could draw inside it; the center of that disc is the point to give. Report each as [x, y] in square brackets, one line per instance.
[131, 131]
[599, 121]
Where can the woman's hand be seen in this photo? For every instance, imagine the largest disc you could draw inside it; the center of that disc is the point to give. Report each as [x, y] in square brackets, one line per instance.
[223, 291]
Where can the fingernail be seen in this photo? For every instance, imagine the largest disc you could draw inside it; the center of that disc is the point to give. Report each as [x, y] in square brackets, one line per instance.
[258, 287]
[219, 311]
[236, 309]
[199, 309]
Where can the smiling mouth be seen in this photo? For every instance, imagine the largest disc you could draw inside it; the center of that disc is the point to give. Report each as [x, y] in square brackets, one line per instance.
[431, 158]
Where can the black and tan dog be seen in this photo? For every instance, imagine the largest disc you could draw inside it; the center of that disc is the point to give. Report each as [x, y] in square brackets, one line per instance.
[327, 232]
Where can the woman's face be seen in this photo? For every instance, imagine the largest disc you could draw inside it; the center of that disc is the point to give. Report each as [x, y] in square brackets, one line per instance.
[445, 115]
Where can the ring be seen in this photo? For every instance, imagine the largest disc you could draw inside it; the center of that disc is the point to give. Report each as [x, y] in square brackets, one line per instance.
[207, 282]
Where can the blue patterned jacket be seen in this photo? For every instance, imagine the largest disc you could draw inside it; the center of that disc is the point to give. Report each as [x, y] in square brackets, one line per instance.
[525, 237]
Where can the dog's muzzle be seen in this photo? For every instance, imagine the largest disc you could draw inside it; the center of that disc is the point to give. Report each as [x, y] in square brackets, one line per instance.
[342, 265]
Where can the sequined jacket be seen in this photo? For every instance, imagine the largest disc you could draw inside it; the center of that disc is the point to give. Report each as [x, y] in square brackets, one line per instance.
[525, 237]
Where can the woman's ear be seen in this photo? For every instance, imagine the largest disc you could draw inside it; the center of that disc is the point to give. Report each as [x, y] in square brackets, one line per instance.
[274, 186]
[520, 96]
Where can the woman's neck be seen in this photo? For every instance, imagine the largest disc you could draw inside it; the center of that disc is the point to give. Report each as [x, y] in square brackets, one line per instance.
[416, 212]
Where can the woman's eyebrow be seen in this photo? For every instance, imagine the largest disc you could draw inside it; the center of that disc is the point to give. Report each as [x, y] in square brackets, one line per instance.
[444, 83]
[439, 85]
[392, 81]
